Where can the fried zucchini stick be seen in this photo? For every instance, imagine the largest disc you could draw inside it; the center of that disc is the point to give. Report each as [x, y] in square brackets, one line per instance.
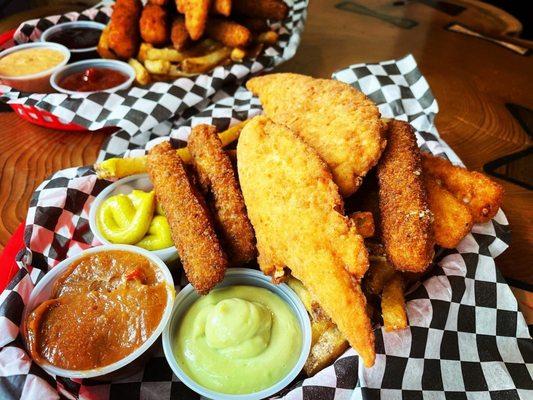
[451, 218]
[393, 304]
[154, 24]
[123, 33]
[192, 231]
[217, 177]
[266, 9]
[229, 33]
[406, 227]
[479, 193]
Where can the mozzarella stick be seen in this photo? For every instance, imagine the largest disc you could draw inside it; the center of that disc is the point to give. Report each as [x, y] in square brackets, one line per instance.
[406, 227]
[192, 231]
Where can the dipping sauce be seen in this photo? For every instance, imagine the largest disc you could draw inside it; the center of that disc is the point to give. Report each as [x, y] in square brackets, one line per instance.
[102, 308]
[136, 219]
[238, 340]
[29, 61]
[92, 80]
[76, 38]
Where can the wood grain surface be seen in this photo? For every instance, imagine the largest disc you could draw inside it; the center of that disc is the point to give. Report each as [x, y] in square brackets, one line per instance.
[472, 80]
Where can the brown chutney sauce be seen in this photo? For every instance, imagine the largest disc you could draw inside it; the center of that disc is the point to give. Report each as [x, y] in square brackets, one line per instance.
[103, 307]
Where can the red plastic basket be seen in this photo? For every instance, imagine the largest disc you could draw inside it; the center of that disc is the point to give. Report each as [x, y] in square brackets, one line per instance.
[37, 115]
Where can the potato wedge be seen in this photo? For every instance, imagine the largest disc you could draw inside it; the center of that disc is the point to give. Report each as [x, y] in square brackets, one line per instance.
[393, 304]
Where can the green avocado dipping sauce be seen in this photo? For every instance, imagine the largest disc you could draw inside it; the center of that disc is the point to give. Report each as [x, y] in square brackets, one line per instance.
[238, 340]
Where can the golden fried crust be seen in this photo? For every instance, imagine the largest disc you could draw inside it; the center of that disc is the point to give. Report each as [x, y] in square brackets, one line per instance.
[393, 304]
[479, 193]
[192, 231]
[178, 34]
[217, 177]
[154, 24]
[222, 7]
[196, 12]
[229, 33]
[266, 9]
[406, 226]
[123, 34]
[451, 219]
[297, 213]
[338, 121]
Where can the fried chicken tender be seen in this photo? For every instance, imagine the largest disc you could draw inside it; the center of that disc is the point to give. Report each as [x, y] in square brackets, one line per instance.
[123, 34]
[222, 7]
[337, 120]
[266, 9]
[479, 193]
[229, 33]
[196, 12]
[406, 227]
[192, 230]
[451, 219]
[154, 24]
[217, 178]
[178, 33]
[297, 213]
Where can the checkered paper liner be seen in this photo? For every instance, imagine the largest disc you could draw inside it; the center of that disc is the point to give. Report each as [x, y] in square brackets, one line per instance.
[139, 109]
[466, 337]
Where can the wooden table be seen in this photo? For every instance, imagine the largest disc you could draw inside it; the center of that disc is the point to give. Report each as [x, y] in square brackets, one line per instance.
[472, 80]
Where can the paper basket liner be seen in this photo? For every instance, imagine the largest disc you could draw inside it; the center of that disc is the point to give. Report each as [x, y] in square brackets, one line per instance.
[466, 337]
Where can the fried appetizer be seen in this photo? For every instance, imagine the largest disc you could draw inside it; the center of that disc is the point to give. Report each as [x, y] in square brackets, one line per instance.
[329, 346]
[265, 9]
[181, 5]
[451, 219]
[379, 273]
[338, 121]
[297, 213]
[154, 24]
[178, 33]
[406, 227]
[158, 2]
[393, 304]
[229, 33]
[196, 12]
[364, 222]
[222, 7]
[217, 178]
[193, 233]
[479, 193]
[123, 34]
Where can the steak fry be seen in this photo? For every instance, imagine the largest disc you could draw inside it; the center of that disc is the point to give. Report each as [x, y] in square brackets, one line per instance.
[217, 178]
[192, 231]
[406, 226]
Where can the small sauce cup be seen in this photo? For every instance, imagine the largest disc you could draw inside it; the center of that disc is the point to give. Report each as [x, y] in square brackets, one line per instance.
[248, 277]
[38, 82]
[125, 186]
[68, 32]
[80, 66]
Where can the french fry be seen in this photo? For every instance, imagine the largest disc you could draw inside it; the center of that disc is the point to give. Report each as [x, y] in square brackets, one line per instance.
[142, 77]
[158, 67]
[378, 274]
[143, 51]
[103, 45]
[205, 63]
[393, 304]
[166, 54]
[229, 33]
[222, 7]
[451, 219]
[364, 222]
[237, 54]
[328, 347]
[175, 72]
[268, 37]
[478, 192]
[115, 168]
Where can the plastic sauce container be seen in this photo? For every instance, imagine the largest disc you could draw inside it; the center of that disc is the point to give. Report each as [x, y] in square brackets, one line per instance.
[80, 37]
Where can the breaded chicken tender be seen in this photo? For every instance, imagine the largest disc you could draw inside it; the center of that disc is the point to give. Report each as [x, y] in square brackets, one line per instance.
[266, 9]
[451, 219]
[229, 33]
[222, 7]
[297, 213]
[191, 227]
[406, 226]
[123, 33]
[196, 12]
[217, 179]
[478, 192]
[154, 24]
[178, 33]
[338, 121]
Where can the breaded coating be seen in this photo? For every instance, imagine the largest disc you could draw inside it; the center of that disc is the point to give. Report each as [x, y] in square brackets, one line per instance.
[222, 7]
[393, 304]
[338, 121]
[297, 213]
[181, 5]
[192, 231]
[158, 2]
[266, 9]
[478, 192]
[178, 34]
[364, 223]
[154, 24]
[451, 219]
[217, 179]
[228, 33]
[196, 12]
[406, 228]
[123, 34]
